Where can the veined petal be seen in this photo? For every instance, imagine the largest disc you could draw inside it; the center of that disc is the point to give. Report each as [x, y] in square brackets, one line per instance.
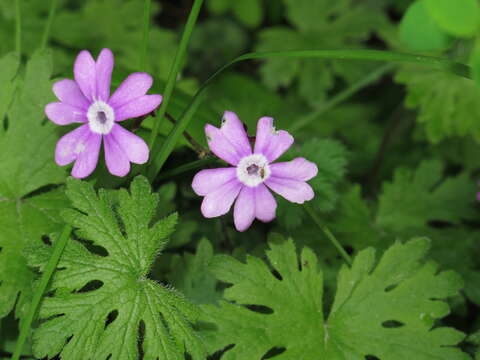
[64, 114]
[221, 146]
[104, 68]
[270, 142]
[234, 131]
[244, 210]
[68, 92]
[220, 201]
[134, 147]
[84, 72]
[209, 180]
[88, 158]
[298, 169]
[134, 86]
[71, 144]
[115, 158]
[265, 204]
[292, 190]
[137, 107]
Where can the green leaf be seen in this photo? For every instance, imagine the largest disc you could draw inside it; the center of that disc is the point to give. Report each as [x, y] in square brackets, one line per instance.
[331, 159]
[448, 105]
[218, 7]
[419, 32]
[26, 168]
[250, 12]
[385, 310]
[414, 198]
[459, 17]
[318, 24]
[8, 70]
[103, 300]
[190, 275]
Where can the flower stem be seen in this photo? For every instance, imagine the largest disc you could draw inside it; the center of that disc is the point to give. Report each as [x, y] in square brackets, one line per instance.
[197, 164]
[18, 26]
[201, 151]
[146, 34]
[58, 248]
[176, 68]
[48, 26]
[310, 211]
[342, 96]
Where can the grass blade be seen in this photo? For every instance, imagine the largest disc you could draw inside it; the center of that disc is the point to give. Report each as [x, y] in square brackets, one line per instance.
[26, 324]
[147, 4]
[48, 26]
[175, 69]
[18, 26]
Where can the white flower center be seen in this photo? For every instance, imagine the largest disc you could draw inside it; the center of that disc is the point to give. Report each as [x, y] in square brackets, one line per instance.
[252, 170]
[100, 117]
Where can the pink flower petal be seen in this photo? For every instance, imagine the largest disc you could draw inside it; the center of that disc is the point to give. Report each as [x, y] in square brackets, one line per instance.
[87, 159]
[292, 190]
[234, 131]
[134, 86]
[71, 144]
[104, 68]
[115, 158]
[297, 169]
[244, 210]
[138, 107]
[219, 202]
[209, 180]
[64, 114]
[269, 142]
[132, 145]
[84, 73]
[265, 204]
[68, 92]
[221, 146]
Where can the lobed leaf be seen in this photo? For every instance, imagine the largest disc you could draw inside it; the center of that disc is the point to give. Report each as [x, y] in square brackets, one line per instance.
[104, 305]
[385, 310]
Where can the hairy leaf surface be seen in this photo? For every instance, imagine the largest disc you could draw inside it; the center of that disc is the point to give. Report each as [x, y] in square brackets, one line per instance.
[104, 305]
[385, 309]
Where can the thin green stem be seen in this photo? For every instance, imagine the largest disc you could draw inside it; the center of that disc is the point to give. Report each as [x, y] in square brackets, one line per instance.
[366, 55]
[310, 211]
[18, 26]
[176, 68]
[48, 26]
[197, 164]
[58, 248]
[146, 34]
[342, 96]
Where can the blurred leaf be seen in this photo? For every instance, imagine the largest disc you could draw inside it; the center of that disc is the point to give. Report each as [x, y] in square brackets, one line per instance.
[413, 199]
[331, 159]
[459, 17]
[190, 275]
[448, 105]
[8, 70]
[420, 32]
[318, 24]
[249, 12]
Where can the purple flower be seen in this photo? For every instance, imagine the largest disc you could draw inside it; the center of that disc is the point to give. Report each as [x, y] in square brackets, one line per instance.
[253, 172]
[87, 100]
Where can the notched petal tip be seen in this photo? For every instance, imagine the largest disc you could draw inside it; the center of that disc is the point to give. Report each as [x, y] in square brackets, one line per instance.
[271, 142]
